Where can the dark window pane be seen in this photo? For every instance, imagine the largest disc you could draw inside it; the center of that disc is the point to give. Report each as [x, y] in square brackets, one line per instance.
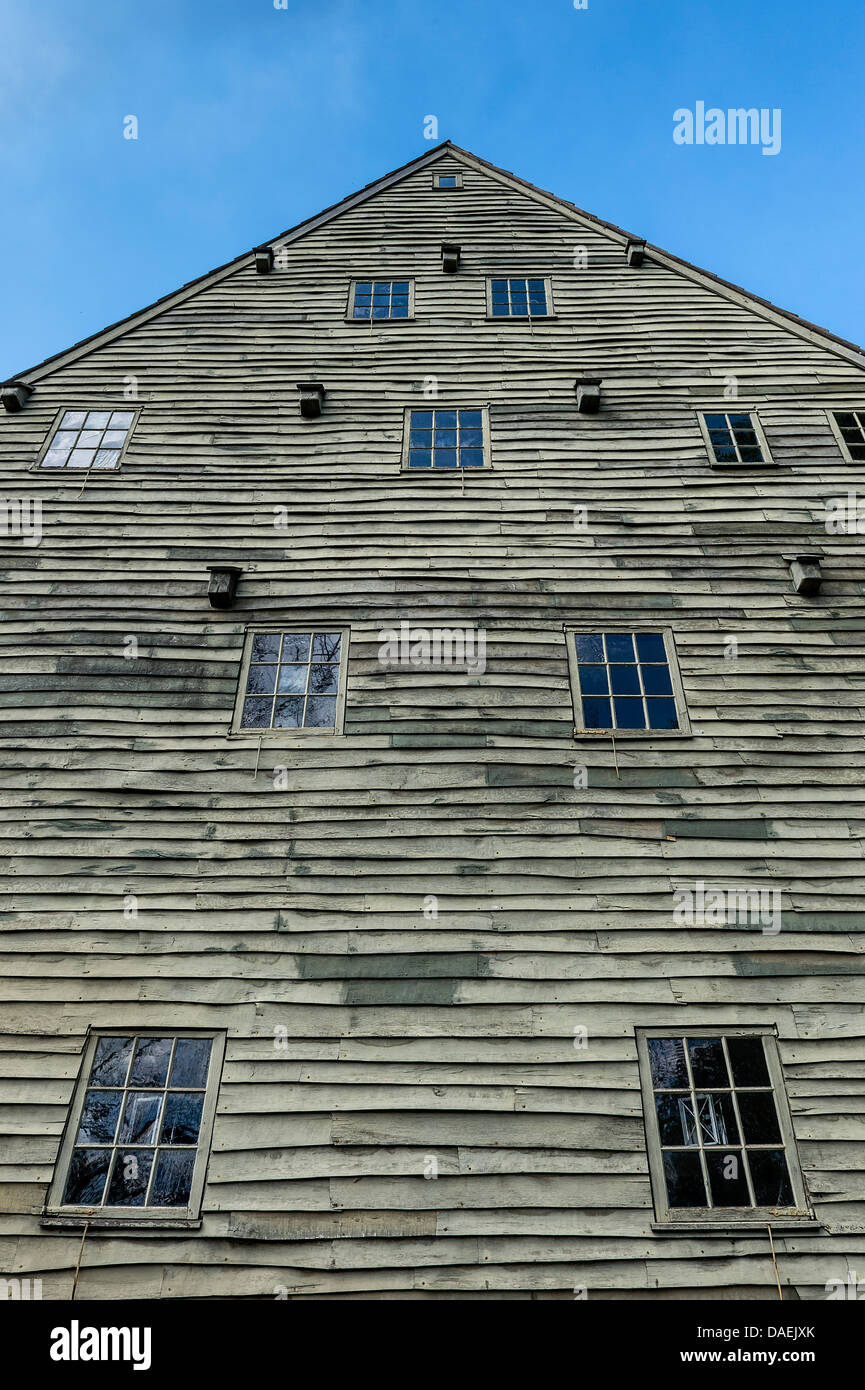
[261, 680]
[420, 458]
[656, 680]
[420, 439]
[629, 713]
[99, 1117]
[537, 287]
[445, 458]
[265, 646]
[399, 310]
[740, 422]
[596, 714]
[361, 311]
[684, 1176]
[500, 308]
[857, 452]
[111, 1061]
[139, 1118]
[667, 1061]
[624, 680]
[256, 714]
[128, 1186]
[717, 1119]
[421, 419]
[759, 1121]
[620, 646]
[380, 311]
[751, 455]
[191, 1060]
[724, 455]
[772, 1187]
[722, 437]
[292, 679]
[500, 288]
[87, 1173]
[182, 1117]
[589, 647]
[400, 287]
[748, 1061]
[288, 712]
[727, 1181]
[150, 1063]
[471, 458]
[323, 680]
[446, 439]
[662, 714]
[745, 436]
[470, 420]
[707, 1062]
[320, 712]
[173, 1179]
[519, 308]
[847, 421]
[363, 287]
[445, 419]
[295, 646]
[669, 1119]
[447, 181]
[471, 439]
[593, 680]
[716, 422]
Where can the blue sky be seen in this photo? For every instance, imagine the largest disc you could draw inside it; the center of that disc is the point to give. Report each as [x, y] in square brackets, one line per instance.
[252, 118]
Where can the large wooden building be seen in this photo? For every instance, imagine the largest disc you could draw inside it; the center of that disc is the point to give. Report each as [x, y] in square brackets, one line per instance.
[432, 787]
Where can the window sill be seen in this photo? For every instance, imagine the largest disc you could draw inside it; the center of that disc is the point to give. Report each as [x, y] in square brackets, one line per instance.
[735, 467]
[754, 1225]
[378, 323]
[443, 472]
[521, 318]
[620, 734]
[285, 738]
[61, 1219]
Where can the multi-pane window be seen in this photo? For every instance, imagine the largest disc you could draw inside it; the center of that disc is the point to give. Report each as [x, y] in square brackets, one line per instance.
[293, 680]
[626, 681]
[141, 1125]
[718, 1123]
[735, 437]
[518, 299]
[89, 439]
[445, 439]
[850, 429]
[381, 299]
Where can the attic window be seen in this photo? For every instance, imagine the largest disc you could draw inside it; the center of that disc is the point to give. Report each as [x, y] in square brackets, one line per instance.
[88, 439]
[626, 683]
[381, 299]
[518, 298]
[447, 180]
[849, 427]
[292, 682]
[720, 1137]
[734, 437]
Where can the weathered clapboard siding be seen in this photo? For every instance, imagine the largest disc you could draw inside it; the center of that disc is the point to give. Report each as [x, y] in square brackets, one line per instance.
[302, 909]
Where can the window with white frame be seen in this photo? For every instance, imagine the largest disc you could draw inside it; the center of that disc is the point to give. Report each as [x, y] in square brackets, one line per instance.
[139, 1128]
[626, 682]
[456, 438]
[734, 437]
[293, 682]
[519, 298]
[718, 1124]
[849, 427]
[381, 299]
[88, 439]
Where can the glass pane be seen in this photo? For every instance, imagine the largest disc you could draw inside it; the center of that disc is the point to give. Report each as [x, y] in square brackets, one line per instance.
[724, 454]
[667, 1062]
[596, 714]
[421, 419]
[593, 680]
[111, 1061]
[191, 1060]
[471, 458]
[361, 311]
[256, 714]
[470, 420]
[707, 1062]
[420, 458]
[445, 458]
[445, 419]
[98, 1121]
[471, 439]
[662, 714]
[629, 713]
[295, 646]
[446, 439]
[656, 680]
[293, 679]
[727, 1180]
[717, 1119]
[620, 646]
[114, 439]
[106, 458]
[98, 419]
[81, 458]
[748, 1061]
[74, 420]
[759, 1121]
[847, 421]
[288, 712]
[182, 1119]
[399, 309]
[650, 646]
[90, 439]
[150, 1063]
[261, 680]
[420, 439]
[86, 1179]
[739, 422]
[751, 455]
[128, 1186]
[323, 680]
[400, 287]
[320, 712]
[772, 1187]
[265, 646]
[716, 422]
[121, 419]
[624, 680]
[670, 1120]
[56, 456]
[589, 647]
[139, 1118]
[537, 287]
[173, 1179]
[380, 311]
[500, 309]
[684, 1177]
[519, 308]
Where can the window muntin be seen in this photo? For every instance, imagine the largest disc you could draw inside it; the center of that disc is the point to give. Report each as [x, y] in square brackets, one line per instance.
[140, 1125]
[721, 1143]
[626, 682]
[88, 439]
[293, 682]
[446, 438]
[849, 427]
[734, 437]
[380, 299]
[519, 298]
